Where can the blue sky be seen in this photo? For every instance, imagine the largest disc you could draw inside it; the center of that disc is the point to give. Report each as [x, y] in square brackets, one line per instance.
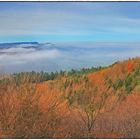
[70, 21]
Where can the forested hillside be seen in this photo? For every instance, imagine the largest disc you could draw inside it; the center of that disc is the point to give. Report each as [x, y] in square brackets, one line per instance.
[92, 102]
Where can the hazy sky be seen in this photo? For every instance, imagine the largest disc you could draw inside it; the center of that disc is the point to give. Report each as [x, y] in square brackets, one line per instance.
[69, 21]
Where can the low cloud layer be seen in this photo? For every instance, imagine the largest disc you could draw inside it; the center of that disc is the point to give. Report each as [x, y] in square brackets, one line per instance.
[63, 56]
[24, 55]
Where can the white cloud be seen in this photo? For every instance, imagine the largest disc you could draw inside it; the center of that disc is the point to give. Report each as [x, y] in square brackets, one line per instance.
[66, 56]
[16, 50]
[25, 55]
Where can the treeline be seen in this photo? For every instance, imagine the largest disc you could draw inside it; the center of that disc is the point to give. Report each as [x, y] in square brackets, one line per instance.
[38, 77]
[84, 71]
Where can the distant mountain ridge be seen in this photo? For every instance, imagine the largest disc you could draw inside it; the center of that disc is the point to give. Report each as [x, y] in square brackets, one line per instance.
[27, 45]
[17, 43]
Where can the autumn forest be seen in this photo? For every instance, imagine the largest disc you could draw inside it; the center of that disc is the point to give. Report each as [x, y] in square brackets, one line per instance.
[100, 102]
[69, 69]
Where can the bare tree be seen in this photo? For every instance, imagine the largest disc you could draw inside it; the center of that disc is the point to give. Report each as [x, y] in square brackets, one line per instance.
[87, 102]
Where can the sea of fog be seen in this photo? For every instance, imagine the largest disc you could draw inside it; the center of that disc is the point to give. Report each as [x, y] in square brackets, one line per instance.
[56, 56]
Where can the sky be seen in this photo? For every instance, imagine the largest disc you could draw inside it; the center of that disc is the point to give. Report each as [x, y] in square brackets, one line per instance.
[69, 21]
[70, 35]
